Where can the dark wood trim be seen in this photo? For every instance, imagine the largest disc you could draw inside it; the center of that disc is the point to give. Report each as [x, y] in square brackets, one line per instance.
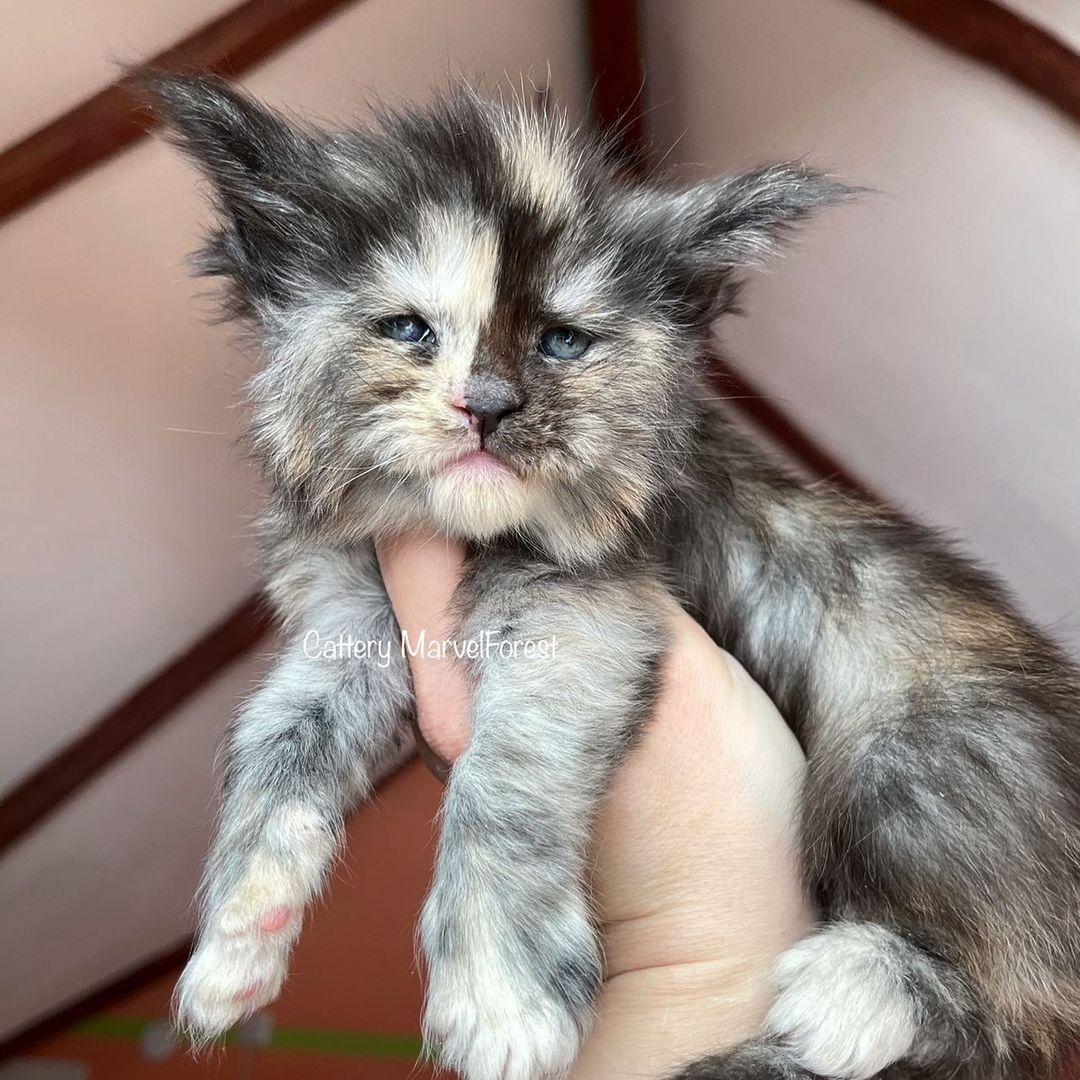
[105, 996]
[116, 117]
[742, 396]
[618, 87]
[119, 729]
[997, 36]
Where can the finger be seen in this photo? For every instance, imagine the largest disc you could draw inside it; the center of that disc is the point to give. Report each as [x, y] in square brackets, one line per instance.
[421, 571]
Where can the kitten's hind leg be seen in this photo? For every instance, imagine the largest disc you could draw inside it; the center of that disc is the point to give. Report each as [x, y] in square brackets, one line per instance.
[942, 960]
[853, 999]
[856, 997]
[768, 1060]
[315, 738]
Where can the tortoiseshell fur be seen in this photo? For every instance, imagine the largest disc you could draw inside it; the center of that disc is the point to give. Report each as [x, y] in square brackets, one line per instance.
[942, 806]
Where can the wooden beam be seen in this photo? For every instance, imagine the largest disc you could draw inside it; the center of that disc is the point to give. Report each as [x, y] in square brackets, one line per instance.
[112, 992]
[995, 35]
[742, 396]
[119, 729]
[116, 117]
[618, 89]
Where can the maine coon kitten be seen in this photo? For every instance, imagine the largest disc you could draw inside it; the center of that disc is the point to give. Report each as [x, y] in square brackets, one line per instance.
[471, 321]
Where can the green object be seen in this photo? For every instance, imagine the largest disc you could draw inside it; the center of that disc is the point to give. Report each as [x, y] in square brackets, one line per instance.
[373, 1044]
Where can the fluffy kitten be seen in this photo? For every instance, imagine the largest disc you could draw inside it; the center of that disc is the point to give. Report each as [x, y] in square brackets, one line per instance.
[472, 321]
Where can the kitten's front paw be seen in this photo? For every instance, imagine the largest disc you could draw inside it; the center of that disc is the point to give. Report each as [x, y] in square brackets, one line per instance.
[491, 1030]
[241, 958]
[227, 978]
[513, 1006]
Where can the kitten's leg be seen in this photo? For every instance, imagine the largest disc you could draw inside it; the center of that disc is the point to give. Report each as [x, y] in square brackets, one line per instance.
[853, 1000]
[316, 737]
[513, 961]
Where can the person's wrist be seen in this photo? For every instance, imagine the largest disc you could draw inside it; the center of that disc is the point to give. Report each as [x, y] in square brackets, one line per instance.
[651, 1021]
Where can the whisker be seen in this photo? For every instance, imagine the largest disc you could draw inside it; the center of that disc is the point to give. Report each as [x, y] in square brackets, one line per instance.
[196, 431]
[364, 472]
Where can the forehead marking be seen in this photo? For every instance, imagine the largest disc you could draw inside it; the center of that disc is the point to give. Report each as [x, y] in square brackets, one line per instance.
[582, 289]
[537, 159]
[451, 273]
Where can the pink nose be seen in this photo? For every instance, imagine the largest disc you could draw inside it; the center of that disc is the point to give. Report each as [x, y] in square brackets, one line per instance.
[485, 400]
[460, 405]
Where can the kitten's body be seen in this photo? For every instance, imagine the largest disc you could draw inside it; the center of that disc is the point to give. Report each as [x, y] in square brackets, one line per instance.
[942, 810]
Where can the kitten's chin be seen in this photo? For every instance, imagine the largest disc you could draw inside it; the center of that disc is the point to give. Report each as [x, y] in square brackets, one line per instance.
[479, 503]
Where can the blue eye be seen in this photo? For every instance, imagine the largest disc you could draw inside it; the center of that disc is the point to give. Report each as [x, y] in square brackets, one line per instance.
[564, 343]
[407, 328]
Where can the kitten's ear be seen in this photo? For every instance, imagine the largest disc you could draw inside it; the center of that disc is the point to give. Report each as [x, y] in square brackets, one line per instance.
[262, 170]
[736, 221]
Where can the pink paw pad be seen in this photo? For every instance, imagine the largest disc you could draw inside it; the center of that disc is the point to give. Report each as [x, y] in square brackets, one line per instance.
[274, 920]
[249, 992]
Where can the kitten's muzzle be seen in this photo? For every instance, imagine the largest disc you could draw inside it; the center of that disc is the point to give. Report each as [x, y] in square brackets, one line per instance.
[486, 400]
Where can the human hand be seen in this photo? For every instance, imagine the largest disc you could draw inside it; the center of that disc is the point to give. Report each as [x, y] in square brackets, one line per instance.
[695, 869]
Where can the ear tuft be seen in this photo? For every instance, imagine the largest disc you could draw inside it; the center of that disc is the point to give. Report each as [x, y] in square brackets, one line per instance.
[237, 142]
[735, 221]
[750, 214]
[266, 177]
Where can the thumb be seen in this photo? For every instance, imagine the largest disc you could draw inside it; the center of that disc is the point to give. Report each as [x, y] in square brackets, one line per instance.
[421, 570]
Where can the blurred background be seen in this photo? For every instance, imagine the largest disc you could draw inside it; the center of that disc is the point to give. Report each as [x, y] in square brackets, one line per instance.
[922, 345]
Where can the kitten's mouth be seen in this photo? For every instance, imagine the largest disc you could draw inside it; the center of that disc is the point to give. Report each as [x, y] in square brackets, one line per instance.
[481, 464]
